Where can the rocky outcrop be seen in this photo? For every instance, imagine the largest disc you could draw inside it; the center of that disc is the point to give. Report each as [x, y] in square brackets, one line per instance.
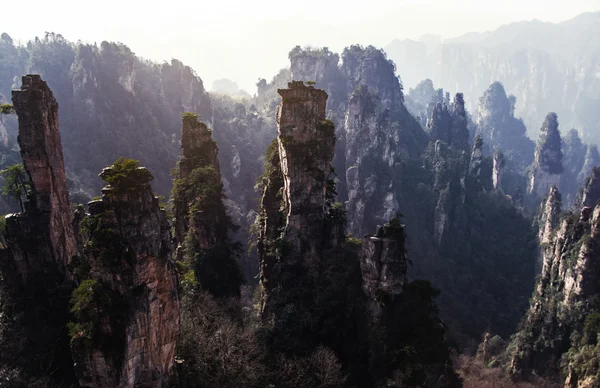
[201, 220]
[558, 336]
[320, 287]
[573, 176]
[500, 129]
[364, 182]
[197, 150]
[459, 125]
[48, 214]
[124, 310]
[40, 242]
[383, 261]
[498, 172]
[548, 218]
[590, 194]
[439, 124]
[547, 165]
[476, 160]
[305, 145]
[592, 159]
[127, 312]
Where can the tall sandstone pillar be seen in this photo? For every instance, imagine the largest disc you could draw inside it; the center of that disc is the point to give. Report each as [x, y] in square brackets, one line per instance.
[40, 242]
[41, 150]
[306, 144]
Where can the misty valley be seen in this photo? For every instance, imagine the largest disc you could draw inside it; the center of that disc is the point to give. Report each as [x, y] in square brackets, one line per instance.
[424, 215]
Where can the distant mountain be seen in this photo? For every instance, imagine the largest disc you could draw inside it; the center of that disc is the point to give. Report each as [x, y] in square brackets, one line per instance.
[546, 66]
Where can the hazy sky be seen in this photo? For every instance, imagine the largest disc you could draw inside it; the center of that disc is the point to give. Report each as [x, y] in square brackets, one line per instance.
[244, 40]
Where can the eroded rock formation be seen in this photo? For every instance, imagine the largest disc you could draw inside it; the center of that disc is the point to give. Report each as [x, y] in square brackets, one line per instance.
[127, 312]
[547, 165]
[40, 242]
[48, 215]
[298, 185]
[498, 172]
[201, 220]
[106, 278]
[383, 262]
[499, 128]
[558, 337]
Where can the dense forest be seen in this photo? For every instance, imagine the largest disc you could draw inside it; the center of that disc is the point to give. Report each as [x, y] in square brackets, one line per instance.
[332, 230]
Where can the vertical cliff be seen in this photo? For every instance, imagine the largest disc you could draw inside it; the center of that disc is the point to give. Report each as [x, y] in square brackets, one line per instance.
[40, 242]
[383, 262]
[498, 172]
[126, 308]
[499, 128]
[201, 220]
[320, 287]
[298, 185]
[48, 203]
[547, 165]
[558, 337]
[109, 273]
[306, 143]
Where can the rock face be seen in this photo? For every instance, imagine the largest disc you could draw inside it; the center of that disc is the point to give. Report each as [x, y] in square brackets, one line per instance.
[40, 242]
[499, 128]
[134, 286]
[391, 165]
[201, 220]
[320, 287]
[559, 334]
[305, 145]
[459, 127]
[499, 163]
[125, 308]
[590, 194]
[383, 262]
[547, 165]
[41, 150]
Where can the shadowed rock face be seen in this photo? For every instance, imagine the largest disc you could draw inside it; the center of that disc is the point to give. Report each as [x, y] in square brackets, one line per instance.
[565, 295]
[295, 204]
[41, 150]
[40, 242]
[197, 150]
[201, 222]
[306, 143]
[126, 249]
[498, 172]
[135, 342]
[547, 165]
[590, 193]
[383, 262]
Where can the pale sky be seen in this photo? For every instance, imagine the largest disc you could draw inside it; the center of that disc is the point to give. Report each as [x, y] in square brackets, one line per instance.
[244, 40]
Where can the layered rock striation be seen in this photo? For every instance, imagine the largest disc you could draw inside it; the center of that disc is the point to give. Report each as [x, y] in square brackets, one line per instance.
[126, 310]
[558, 337]
[298, 185]
[40, 242]
[106, 279]
[48, 212]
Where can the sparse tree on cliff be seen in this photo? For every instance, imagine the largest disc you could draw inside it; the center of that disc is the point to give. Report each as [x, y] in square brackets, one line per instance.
[6, 109]
[16, 183]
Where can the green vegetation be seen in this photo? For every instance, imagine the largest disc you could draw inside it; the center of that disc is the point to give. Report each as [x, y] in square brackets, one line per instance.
[203, 187]
[7, 109]
[126, 174]
[17, 183]
[202, 223]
